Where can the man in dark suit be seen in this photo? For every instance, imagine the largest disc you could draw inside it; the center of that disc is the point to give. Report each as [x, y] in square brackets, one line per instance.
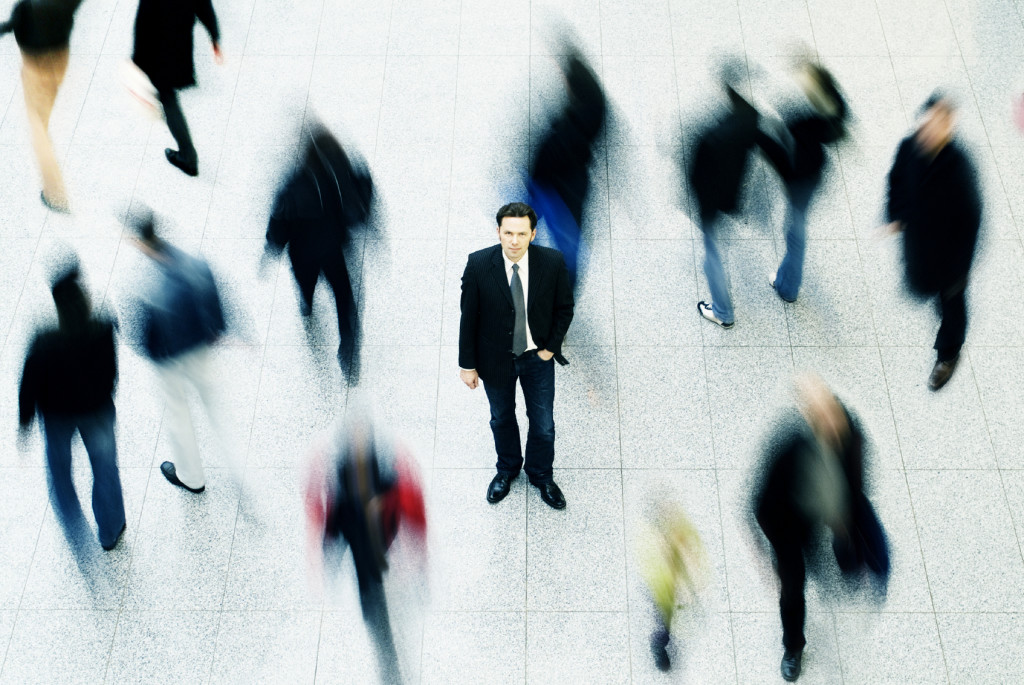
[517, 304]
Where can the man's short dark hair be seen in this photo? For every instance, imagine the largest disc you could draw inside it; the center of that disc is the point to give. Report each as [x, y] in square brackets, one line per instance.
[938, 98]
[518, 210]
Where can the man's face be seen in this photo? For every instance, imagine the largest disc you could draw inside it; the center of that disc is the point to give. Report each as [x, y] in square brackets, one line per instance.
[515, 235]
[936, 129]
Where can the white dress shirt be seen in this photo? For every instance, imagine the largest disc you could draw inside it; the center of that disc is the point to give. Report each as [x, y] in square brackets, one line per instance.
[524, 276]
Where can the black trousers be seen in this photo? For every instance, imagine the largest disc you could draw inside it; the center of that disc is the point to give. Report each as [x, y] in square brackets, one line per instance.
[177, 124]
[789, 558]
[307, 269]
[953, 329]
[378, 624]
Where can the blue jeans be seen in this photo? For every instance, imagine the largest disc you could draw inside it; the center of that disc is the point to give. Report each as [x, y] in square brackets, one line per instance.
[97, 431]
[791, 271]
[714, 270]
[537, 377]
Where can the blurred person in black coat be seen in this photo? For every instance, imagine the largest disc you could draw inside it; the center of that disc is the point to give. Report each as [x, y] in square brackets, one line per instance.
[319, 205]
[42, 29]
[819, 121]
[560, 173]
[935, 202]
[68, 379]
[813, 475]
[716, 175]
[163, 50]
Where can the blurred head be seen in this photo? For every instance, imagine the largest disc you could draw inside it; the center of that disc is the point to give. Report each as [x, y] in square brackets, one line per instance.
[143, 226]
[937, 123]
[71, 301]
[820, 89]
[821, 409]
[517, 227]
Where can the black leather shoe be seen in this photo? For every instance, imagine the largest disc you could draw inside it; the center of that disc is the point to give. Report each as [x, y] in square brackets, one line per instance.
[551, 495]
[791, 665]
[499, 487]
[942, 372]
[167, 468]
[175, 158]
[116, 540]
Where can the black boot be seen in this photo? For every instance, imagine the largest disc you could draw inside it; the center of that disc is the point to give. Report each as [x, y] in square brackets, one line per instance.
[659, 642]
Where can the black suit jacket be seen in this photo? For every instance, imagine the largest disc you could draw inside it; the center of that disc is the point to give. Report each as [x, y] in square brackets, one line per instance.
[488, 316]
[163, 39]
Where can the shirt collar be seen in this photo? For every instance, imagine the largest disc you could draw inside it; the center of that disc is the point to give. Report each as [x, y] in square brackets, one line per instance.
[524, 263]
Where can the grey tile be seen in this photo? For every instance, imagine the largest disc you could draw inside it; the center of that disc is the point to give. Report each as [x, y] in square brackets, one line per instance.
[354, 28]
[890, 648]
[972, 559]
[163, 645]
[662, 315]
[489, 29]
[831, 308]
[456, 257]
[592, 647]
[418, 102]
[918, 74]
[937, 430]
[864, 171]
[276, 29]
[25, 214]
[918, 27]
[484, 177]
[664, 414]
[485, 647]
[15, 260]
[989, 85]
[181, 201]
[696, 491]
[993, 306]
[66, 110]
[593, 577]
[393, 271]
[997, 214]
[982, 648]
[180, 556]
[422, 27]
[91, 578]
[64, 646]
[91, 26]
[587, 409]
[998, 373]
[847, 28]
[480, 548]
[347, 652]
[759, 648]
[484, 111]
[414, 183]
[704, 28]
[266, 646]
[107, 115]
[879, 116]
[643, 89]
[647, 196]
[900, 317]
[100, 178]
[7, 617]
[772, 28]
[345, 94]
[244, 190]
[464, 438]
[635, 28]
[550, 17]
[701, 648]
[1013, 485]
[23, 505]
[269, 99]
[1012, 179]
[246, 298]
[744, 384]
[593, 320]
[855, 375]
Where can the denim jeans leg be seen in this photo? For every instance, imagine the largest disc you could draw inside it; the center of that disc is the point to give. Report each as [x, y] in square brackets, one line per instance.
[504, 426]
[58, 431]
[97, 432]
[790, 273]
[718, 282]
[538, 380]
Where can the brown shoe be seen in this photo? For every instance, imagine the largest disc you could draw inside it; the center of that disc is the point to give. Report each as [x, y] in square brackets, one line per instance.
[942, 372]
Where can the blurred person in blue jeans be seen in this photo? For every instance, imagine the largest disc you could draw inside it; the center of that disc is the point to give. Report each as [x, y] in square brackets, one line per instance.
[68, 379]
[181, 316]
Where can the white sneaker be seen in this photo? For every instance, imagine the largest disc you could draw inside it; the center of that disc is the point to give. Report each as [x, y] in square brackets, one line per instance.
[771, 278]
[705, 310]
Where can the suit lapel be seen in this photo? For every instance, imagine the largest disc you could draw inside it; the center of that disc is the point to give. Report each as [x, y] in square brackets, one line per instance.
[498, 272]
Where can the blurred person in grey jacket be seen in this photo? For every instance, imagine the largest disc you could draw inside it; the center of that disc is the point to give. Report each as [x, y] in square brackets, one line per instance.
[181, 317]
[68, 379]
[42, 29]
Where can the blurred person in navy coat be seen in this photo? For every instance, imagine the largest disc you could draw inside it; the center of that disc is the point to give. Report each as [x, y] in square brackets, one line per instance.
[163, 50]
[935, 203]
[68, 379]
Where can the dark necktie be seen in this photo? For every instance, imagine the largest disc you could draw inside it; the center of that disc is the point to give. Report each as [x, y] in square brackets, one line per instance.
[519, 302]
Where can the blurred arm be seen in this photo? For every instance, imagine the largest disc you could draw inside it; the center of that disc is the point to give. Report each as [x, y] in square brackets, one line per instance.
[28, 391]
[562, 316]
[470, 322]
[205, 14]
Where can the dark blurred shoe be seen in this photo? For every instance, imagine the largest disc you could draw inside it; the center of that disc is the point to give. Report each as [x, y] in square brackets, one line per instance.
[791, 665]
[167, 468]
[499, 487]
[175, 158]
[551, 495]
[942, 372]
[659, 642]
[116, 540]
[705, 310]
[60, 209]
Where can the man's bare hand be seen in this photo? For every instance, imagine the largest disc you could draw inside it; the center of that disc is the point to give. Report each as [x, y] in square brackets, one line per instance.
[889, 230]
[218, 56]
[545, 355]
[470, 378]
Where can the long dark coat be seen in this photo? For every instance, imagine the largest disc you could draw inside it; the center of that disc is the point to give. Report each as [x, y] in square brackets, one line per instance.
[939, 204]
[720, 160]
[163, 39]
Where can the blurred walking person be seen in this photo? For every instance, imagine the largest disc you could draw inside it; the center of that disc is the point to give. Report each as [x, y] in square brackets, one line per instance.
[42, 29]
[560, 173]
[163, 50]
[813, 475]
[68, 379]
[716, 176]
[319, 205]
[181, 318]
[819, 121]
[935, 202]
